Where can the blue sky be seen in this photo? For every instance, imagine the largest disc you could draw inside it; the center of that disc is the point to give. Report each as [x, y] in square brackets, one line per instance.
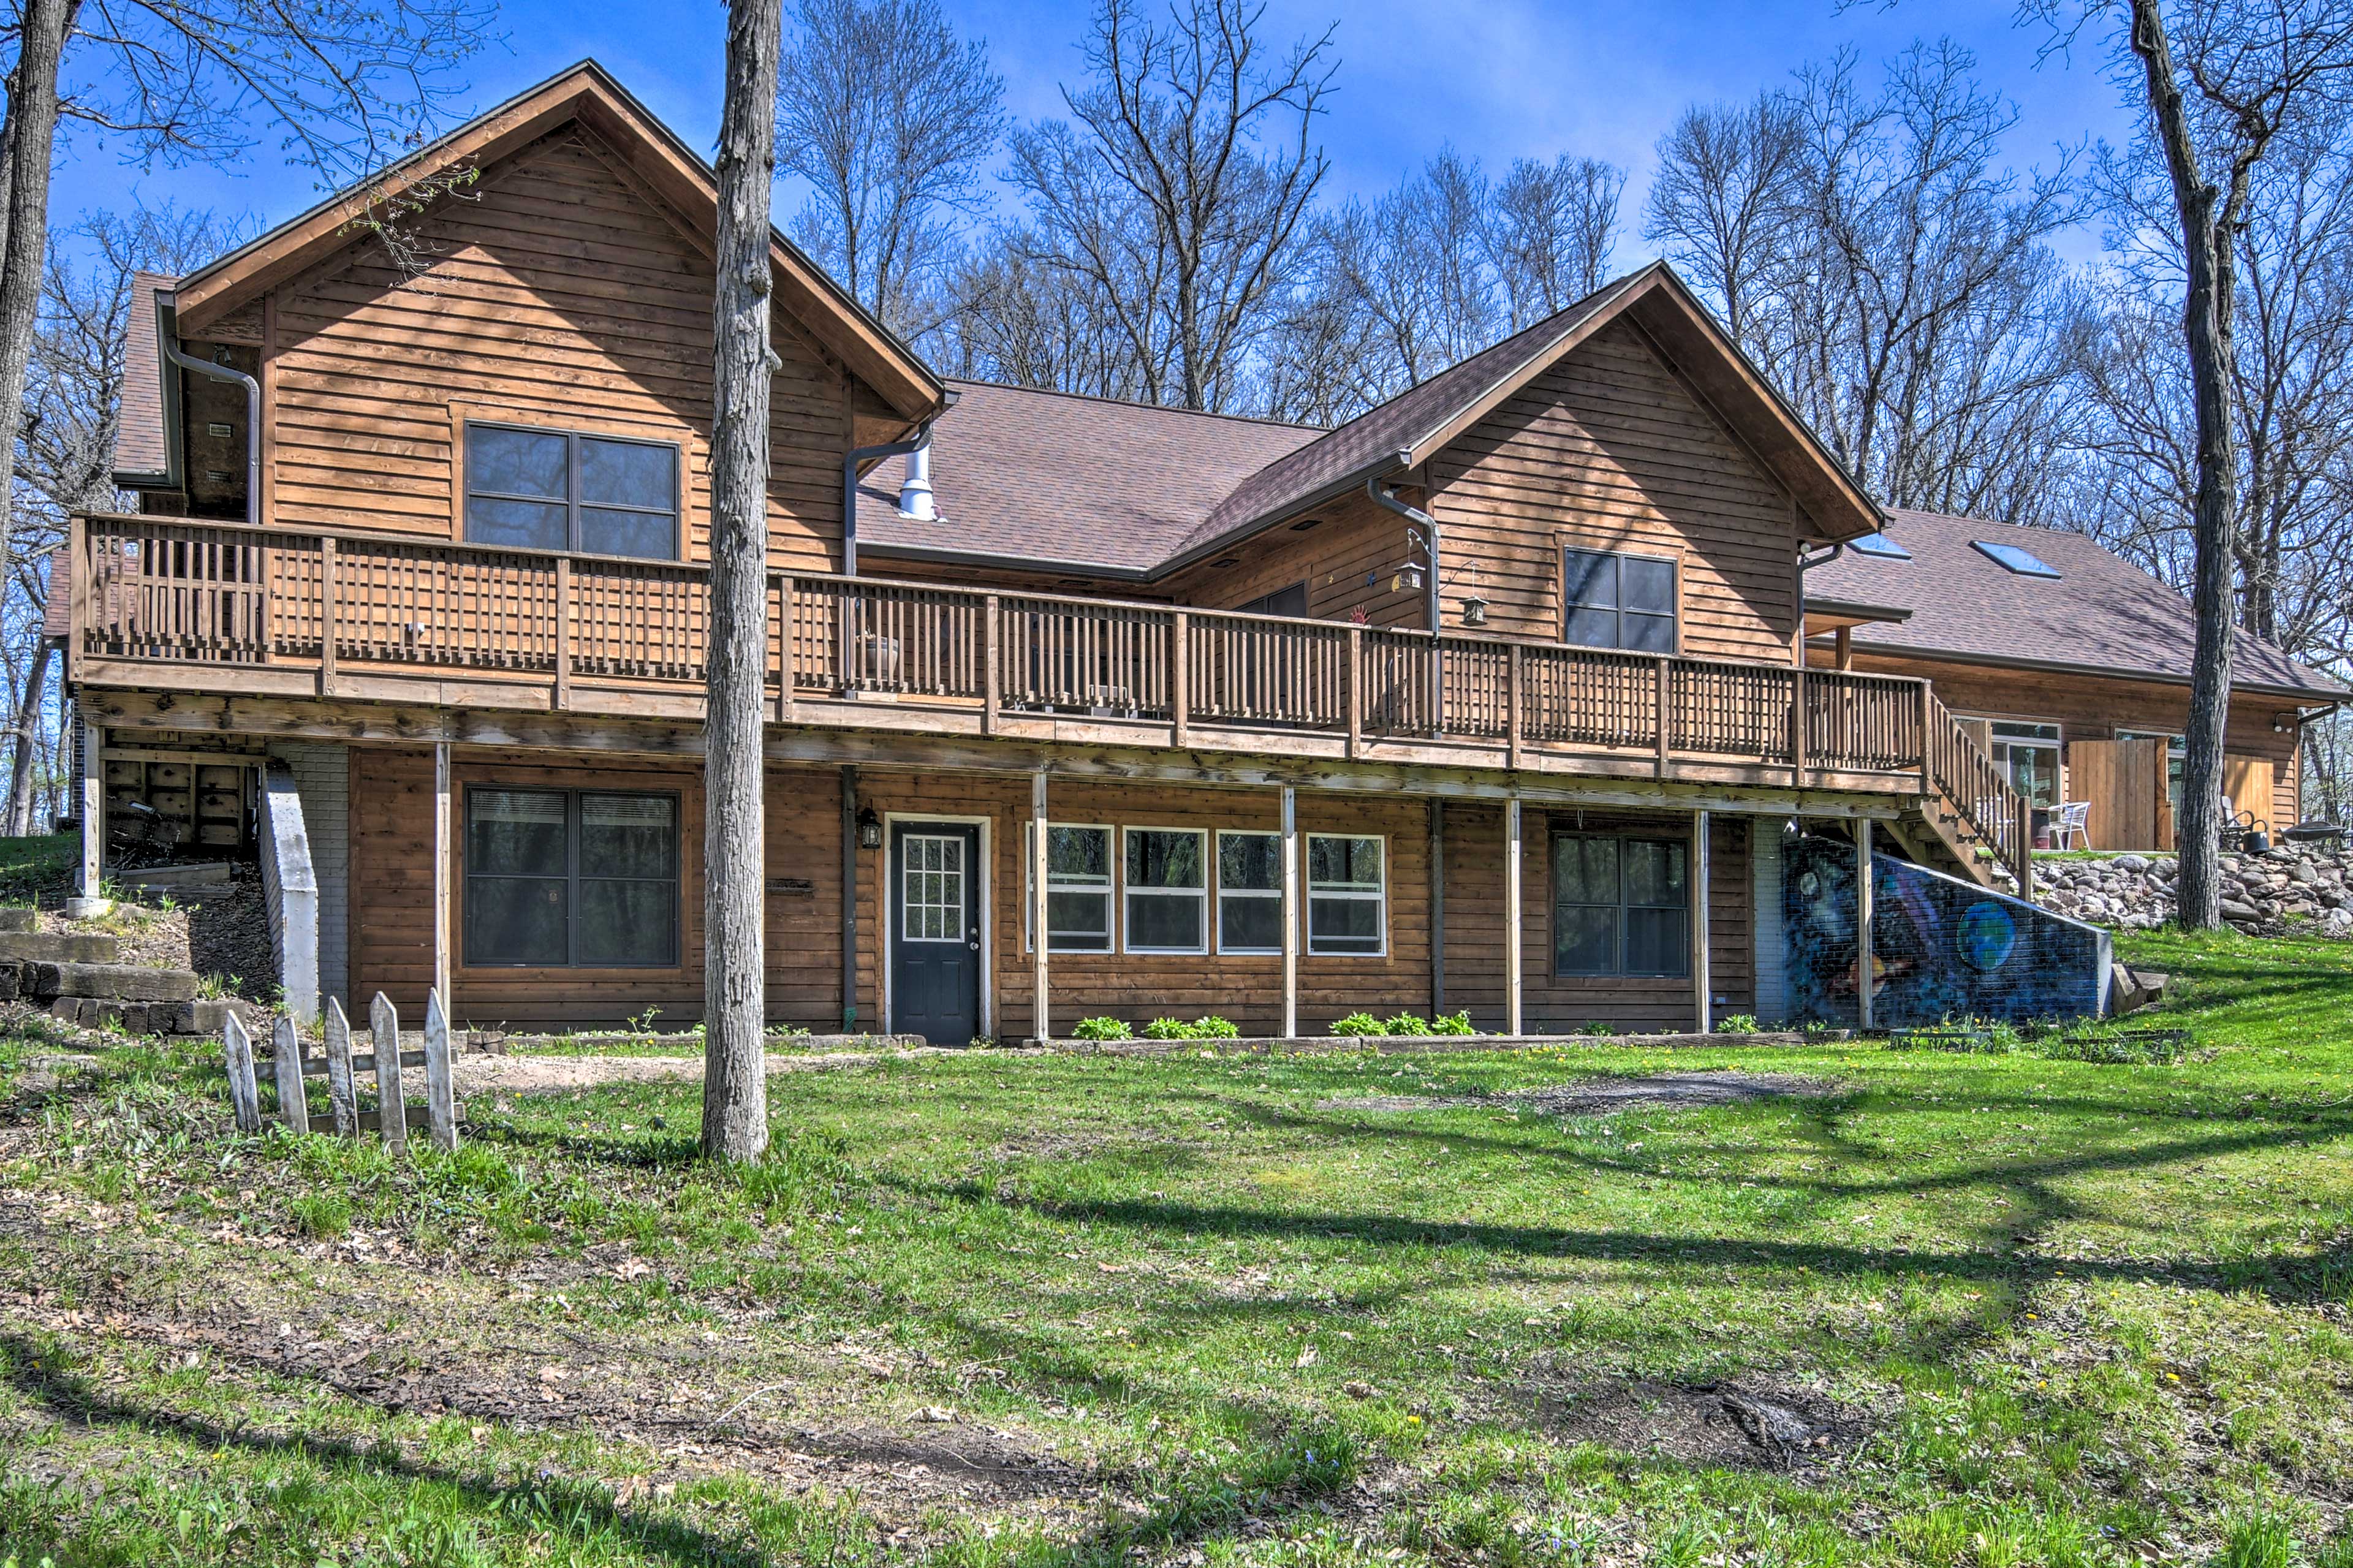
[1499, 78]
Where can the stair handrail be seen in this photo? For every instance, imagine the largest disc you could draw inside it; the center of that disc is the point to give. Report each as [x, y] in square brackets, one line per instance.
[1971, 782]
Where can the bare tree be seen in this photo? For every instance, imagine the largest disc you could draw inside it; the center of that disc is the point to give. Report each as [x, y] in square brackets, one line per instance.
[889, 117]
[744, 363]
[1727, 186]
[1549, 231]
[2223, 83]
[1413, 270]
[65, 442]
[1169, 194]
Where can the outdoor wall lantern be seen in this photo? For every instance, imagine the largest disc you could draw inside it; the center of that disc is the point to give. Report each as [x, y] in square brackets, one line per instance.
[1474, 610]
[870, 829]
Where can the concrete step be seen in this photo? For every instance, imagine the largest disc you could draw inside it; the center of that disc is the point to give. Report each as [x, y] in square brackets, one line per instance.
[164, 877]
[16, 919]
[42, 981]
[61, 947]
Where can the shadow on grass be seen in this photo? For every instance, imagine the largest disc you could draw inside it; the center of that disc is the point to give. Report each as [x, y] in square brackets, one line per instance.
[556, 1504]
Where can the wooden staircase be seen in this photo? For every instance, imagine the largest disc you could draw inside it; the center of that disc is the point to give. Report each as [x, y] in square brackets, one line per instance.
[1969, 821]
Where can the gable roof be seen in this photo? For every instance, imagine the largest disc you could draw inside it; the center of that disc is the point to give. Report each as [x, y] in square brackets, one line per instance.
[1052, 479]
[2101, 613]
[1405, 431]
[142, 452]
[676, 179]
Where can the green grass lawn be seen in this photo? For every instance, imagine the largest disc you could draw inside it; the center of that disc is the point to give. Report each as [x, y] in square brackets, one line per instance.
[38, 870]
[993, 1310]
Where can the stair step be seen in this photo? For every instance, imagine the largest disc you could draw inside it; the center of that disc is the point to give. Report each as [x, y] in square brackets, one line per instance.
[103, 982]
[61, 947]
[16, 920]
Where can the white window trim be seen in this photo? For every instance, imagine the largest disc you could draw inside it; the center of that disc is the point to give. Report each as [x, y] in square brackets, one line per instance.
[1199, 895]
[1380, 896]
[1108, 889]
[1271, 895]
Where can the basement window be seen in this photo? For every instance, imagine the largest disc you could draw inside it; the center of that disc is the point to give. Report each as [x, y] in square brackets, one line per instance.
[1347, 896]
[570, 879]
[529, 488]
[1250, 892]
[1619, 906]
[1078, 888]
[2025, 562]
[1167, 891]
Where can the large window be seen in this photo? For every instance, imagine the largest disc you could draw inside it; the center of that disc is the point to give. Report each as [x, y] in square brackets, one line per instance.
[1346, 896]
[1250, 892]
[583, 879]
[1167, 891]
[554, 489]
[2028, 756]
[1619, 906]
[1615, 600]
[1078, 888]
[1291, 601]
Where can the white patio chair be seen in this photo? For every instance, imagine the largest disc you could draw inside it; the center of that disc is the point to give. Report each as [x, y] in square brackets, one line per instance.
[2071, 819]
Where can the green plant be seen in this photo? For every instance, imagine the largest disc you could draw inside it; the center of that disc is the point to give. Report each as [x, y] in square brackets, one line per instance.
[216, 987]
[1595, 1027]
[1407, 1025]
[1102, 1029]
[1452, 1024]
[1166, 1029]
[1212, 1027]
[1360, 1025]
[324, 1216]
[642, 1024]
[1738, 1024]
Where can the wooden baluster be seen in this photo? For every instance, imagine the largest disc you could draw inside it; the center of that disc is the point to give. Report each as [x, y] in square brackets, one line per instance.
[992, 690]
[1180, 677]
[1513, 673]
[1352, 688]
[327, 617]
[1800, 724]
[1927, 734]
[563, 634]
[1666, 719]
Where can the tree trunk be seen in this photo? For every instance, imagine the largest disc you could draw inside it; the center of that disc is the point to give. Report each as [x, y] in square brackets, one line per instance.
[18, 821]
[735, 1081]
[31, 141]
[2206, 334]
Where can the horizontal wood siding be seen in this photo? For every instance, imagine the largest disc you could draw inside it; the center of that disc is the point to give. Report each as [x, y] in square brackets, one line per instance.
[1477, 937]
[557, 295]
[392, 924]
[1353, 540]
[2090, 707]
[1608, 450]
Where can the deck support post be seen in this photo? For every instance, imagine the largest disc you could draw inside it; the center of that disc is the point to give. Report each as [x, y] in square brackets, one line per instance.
[563, 634]
[93, 806]
[2024, 867]
[1437, 906]
[1702, 1002]
[1865, 925]
[1798, 725]
[1512, 988]
[1040, 1014]
[442, 873]
[1180, 674]
[1665, 703]
[1290, 912]
[848, 899]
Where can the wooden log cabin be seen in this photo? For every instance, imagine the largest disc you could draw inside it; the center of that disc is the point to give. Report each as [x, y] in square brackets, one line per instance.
[1495, 698]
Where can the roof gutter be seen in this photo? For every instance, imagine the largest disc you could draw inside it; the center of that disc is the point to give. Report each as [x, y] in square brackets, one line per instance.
[1808, 563]
[1384, 496]
[856, 455]
[169, 339]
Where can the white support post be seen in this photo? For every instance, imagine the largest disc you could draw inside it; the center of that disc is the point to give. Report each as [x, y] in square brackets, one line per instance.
[442, 870]
[1290, 913]
[1041, 1015]
[1512, 987]
[1862, 922]
[93, 807]
[1702, 1002]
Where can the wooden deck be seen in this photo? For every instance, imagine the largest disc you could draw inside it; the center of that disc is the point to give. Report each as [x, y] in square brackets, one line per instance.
[172, 606]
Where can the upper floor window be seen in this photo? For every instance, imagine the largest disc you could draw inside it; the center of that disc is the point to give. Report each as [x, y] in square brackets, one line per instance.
[558, 489]
[1612, 599]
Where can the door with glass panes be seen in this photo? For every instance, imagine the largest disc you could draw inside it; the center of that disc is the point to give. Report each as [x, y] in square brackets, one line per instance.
[936, 931]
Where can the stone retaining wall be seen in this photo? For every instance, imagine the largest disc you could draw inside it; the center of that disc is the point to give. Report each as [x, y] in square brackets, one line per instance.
[2288, 888]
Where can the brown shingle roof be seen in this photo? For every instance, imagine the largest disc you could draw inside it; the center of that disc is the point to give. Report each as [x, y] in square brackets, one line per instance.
[139, 446]
[2101, 613]
[1050, 476]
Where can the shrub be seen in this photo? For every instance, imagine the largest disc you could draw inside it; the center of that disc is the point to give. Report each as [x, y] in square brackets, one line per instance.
[1595, 1027]
[1452, 1024]
[1739, 1024]
[1166, 1029]
[1358, 1025]
[1407, 1023]
[1213, 1028]
[1102, 1029]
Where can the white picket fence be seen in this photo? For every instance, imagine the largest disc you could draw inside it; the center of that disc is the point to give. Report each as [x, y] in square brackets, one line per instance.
[341, 1067]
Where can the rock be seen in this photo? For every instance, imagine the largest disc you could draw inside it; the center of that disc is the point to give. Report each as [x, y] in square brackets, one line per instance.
[2132, 863]
[2233, 908]
[16, 918]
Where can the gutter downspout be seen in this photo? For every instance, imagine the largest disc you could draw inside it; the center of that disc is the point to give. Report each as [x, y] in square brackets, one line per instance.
[1808, 563]
[856, 455]
[186, 361]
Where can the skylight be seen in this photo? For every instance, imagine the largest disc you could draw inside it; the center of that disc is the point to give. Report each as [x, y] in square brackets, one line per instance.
[2024, 563]
[1880, 546]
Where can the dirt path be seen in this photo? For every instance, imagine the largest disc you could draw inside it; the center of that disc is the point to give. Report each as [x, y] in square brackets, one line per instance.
[1584, 1096]
[548, 1075]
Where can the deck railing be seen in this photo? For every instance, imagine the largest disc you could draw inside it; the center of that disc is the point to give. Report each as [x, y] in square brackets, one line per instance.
[348, 604]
